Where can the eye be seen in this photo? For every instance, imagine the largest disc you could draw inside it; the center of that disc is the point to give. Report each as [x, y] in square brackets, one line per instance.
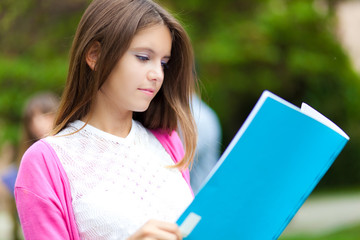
[164, 65]
[143, 58]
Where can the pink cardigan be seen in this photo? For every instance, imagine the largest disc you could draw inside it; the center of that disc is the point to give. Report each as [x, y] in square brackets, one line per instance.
[42, 190]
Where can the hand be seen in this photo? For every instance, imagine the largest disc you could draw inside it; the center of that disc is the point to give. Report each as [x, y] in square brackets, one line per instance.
[157, 230]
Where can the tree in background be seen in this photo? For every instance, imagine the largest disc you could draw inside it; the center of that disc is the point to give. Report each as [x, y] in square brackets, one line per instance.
[287, 47]
[35, 37]
[242, 47]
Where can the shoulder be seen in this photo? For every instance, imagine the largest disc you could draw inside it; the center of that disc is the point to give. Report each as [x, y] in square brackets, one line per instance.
[37, 154]
[38, 166]
[42, 195]
[167, 137]
[171, 142]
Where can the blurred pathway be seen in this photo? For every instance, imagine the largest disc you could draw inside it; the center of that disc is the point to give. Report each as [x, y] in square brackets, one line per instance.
[325, 214]
[5, 226]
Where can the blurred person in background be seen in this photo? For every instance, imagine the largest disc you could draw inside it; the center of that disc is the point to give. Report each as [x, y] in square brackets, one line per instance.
[348, 21]
[209, 142]
[37, 121]
[7, 153]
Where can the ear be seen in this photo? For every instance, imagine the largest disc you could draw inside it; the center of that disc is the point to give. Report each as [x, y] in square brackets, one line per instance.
[93, 54]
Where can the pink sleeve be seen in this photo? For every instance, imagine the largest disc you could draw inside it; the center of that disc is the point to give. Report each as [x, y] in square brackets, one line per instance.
[40, 194]
[173, 145]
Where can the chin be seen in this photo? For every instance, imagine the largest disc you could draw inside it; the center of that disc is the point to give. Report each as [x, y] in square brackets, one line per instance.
[141, 108]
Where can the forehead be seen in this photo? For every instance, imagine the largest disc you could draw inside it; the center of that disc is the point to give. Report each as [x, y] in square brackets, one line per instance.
[157, 38]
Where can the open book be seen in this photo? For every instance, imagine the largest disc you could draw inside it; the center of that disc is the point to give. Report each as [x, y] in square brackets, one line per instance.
[266, 173]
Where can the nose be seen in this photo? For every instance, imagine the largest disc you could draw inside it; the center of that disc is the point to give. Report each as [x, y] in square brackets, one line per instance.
[156, 73]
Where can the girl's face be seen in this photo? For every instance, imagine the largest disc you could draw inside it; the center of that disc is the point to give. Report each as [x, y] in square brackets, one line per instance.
[139, 74]
[41, 123]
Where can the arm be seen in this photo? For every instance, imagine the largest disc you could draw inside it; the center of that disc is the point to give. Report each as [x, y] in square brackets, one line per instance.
[42, 196]
[40, 218]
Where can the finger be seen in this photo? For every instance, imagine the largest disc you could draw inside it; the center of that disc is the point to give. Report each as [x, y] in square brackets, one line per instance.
[163, 235]
[172, 228]
[163, 230]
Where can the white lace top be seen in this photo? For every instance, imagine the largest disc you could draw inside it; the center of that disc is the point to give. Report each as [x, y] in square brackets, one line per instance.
[118, 184]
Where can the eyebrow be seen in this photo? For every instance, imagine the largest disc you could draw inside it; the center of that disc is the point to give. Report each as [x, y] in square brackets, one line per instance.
[148, 50]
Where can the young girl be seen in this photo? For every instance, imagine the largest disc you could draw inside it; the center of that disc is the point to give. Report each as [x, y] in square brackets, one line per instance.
[115, 167]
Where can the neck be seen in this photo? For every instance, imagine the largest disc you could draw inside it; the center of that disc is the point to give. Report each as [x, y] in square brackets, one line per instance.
[107, 117]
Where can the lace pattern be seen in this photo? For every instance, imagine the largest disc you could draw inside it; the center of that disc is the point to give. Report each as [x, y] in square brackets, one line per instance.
[117, 184]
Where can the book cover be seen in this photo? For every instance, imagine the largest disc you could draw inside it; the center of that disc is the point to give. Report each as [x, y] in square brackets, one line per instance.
[271, 166]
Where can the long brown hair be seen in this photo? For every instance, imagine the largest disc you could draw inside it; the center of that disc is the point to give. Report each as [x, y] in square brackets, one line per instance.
[114, 23]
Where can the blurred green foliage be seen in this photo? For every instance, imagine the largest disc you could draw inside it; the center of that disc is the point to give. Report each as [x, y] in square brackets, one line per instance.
[242, 47]
[35, 37]
[351, 233]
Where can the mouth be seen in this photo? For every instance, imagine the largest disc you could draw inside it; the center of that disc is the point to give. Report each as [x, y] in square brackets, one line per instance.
[148, 91]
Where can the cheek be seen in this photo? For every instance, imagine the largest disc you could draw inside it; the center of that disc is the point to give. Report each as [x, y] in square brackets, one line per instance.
[122, 78]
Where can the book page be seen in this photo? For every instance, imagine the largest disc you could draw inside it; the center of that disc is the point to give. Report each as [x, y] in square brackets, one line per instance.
[311, 112]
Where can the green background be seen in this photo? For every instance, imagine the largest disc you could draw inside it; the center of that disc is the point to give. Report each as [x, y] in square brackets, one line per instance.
[241, 48]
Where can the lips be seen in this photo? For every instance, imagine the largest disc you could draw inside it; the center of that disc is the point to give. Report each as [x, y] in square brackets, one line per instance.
[148, 91]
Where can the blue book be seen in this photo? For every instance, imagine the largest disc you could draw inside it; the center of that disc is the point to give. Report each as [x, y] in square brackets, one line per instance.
[266, 173]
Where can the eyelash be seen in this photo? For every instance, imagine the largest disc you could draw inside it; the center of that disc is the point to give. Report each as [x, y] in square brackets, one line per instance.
[164, 65]
[145, 58]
